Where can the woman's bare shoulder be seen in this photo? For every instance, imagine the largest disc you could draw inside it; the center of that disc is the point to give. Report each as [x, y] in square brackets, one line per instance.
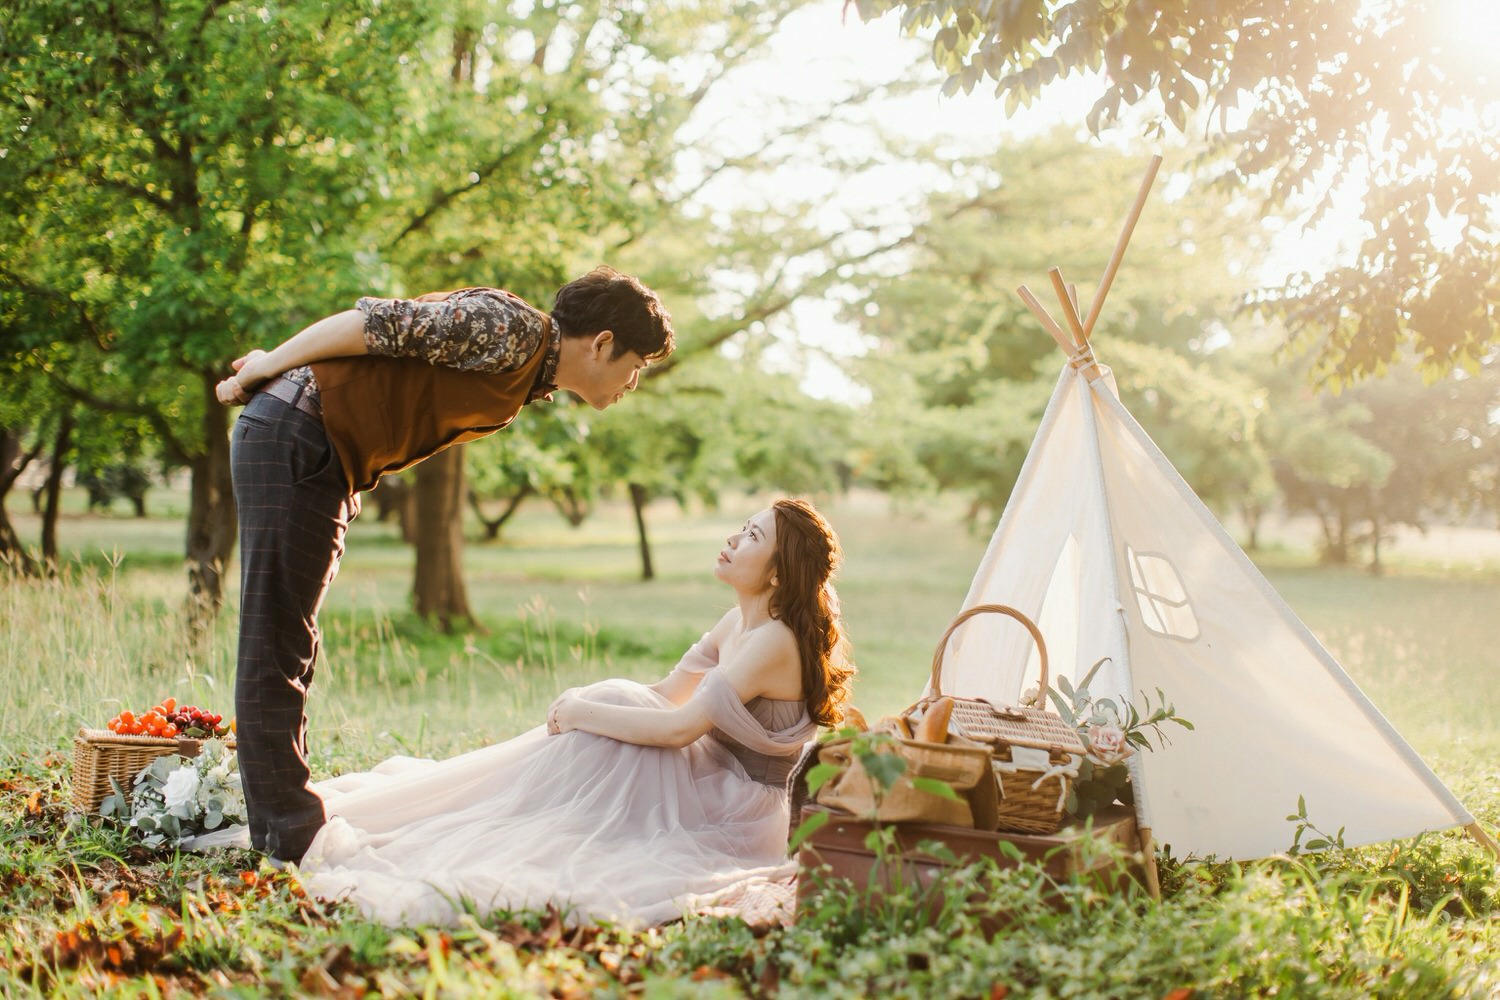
[769, 661]
[774, 635]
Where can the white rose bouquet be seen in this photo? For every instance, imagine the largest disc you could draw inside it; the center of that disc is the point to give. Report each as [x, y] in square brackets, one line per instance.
[174, 798]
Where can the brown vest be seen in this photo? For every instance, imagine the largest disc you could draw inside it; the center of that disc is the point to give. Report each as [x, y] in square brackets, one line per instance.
[384, 414]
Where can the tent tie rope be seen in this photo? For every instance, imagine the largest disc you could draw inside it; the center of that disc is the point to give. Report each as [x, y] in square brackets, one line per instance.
[1083, 357]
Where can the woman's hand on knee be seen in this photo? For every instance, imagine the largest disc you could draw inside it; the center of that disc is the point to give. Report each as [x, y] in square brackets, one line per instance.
[562, 714]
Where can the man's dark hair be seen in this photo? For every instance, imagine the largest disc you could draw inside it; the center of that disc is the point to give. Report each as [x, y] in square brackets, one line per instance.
[605, 299]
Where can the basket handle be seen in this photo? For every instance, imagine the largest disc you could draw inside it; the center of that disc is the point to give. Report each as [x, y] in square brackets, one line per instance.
[1003, 609]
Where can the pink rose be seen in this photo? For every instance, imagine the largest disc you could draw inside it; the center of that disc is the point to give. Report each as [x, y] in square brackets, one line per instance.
[1107, 744]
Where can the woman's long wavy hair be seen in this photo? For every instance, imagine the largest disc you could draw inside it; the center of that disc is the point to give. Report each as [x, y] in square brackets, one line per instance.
[807, 554]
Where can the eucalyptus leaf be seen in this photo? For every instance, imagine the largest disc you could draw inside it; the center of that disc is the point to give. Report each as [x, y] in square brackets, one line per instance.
[806, 829]
[885, 769]
[933, 786]
[820, 774]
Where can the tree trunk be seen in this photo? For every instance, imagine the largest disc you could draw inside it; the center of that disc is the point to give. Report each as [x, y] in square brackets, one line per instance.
[61, 441]
[1376, 568]
[389, 496]
[13, 462]
[638, 500]
[1335, 537]
[492, 526]
[1252, 514]
[212, 518]
[438, 588]
[1341, 540]
[571, 504]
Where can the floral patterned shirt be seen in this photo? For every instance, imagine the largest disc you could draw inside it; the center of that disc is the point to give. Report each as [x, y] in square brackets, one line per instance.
[472, 329]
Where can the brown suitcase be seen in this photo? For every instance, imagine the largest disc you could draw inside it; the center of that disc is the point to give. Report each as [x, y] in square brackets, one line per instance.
[840, 846]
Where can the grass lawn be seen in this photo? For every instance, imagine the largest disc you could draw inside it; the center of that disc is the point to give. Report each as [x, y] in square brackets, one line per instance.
[560, 606]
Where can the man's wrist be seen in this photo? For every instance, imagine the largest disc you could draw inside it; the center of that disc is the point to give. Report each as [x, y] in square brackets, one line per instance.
[256, 372]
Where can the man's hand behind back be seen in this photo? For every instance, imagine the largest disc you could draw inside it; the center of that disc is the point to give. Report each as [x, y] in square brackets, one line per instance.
[237, 389]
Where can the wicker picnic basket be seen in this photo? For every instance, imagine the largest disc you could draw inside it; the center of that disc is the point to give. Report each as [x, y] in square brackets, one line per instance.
[99, 755]
[1033, 784]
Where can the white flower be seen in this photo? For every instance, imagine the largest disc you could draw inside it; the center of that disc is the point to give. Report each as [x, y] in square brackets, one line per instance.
[1107, 743]
[180, 791]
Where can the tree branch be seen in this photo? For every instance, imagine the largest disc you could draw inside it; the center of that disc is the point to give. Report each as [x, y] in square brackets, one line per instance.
[442, 198]
[770, 304]
[86, 321]
[159, 423]
[12, 474]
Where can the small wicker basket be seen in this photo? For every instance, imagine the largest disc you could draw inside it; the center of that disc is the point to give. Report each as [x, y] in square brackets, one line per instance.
[1031, 796]
[99, 755]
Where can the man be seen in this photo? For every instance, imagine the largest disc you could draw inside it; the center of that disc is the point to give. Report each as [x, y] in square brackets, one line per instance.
[358, 394]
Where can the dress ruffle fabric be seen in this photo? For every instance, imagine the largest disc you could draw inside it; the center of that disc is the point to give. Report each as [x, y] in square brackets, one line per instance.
[605, 830]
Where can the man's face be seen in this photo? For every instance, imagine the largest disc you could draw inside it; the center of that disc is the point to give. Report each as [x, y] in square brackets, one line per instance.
[605, 379]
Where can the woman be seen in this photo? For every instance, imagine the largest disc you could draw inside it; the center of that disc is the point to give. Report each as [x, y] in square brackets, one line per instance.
[634, 802]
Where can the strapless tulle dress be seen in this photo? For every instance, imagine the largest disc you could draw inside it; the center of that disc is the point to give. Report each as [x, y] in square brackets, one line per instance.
[605, 830]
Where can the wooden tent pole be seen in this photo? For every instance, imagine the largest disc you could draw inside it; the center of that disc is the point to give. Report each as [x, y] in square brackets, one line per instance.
[1124, 240]
[1148, 862]
[1069, 301]
[1069, 309]
[1484, 839]
[1048, 323]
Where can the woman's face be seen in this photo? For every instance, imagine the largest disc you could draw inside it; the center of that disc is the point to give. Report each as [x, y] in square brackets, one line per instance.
[745, 561]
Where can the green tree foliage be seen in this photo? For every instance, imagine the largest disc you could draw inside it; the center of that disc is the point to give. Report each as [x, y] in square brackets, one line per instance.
[961, 370]
[546, 453]
[727, 274]
[1391, 450]
[1301, 99]
[717, 424]
[183, 179]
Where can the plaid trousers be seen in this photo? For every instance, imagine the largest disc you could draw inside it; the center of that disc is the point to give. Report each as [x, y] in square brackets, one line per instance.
[295, 506]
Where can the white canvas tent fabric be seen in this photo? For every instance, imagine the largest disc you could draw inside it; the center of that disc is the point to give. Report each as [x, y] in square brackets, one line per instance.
[1111, 553]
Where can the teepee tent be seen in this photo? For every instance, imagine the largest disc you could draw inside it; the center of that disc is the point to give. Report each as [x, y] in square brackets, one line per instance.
[1107, 548]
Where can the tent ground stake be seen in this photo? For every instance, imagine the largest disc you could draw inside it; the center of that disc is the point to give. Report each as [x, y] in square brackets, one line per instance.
[1148, 862]
[1484, 839]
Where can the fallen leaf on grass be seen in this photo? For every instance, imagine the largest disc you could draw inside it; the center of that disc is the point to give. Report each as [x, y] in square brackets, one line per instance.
[317, 982]
[1180, 993]
[135, 949]
[34, 804]
[706, 972]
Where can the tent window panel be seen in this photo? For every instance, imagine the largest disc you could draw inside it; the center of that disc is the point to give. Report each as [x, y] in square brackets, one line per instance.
[1148, 613]
[1160, 595]
[1178, 621]
[1160, 580]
